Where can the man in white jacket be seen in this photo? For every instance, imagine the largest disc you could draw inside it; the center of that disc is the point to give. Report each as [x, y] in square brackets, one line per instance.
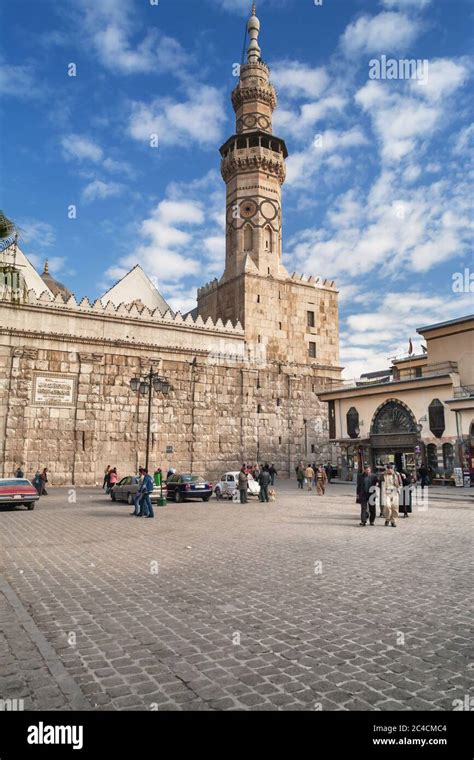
[391, 483]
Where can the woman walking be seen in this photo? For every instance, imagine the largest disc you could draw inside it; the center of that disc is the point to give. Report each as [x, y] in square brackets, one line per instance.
[405, 502]
[112, 479]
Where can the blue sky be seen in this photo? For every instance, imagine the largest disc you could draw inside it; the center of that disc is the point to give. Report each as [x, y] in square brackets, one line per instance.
[378, 194]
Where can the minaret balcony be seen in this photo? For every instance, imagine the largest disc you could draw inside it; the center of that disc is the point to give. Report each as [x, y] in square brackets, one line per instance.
[253, 159]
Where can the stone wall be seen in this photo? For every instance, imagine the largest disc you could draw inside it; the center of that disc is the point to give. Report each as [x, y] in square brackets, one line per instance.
[224, 408]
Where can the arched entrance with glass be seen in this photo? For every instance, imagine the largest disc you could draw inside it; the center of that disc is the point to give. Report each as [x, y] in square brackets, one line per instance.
[395, 437]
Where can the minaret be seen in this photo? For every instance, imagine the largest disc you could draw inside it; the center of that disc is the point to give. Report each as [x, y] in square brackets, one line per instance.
[253, 168]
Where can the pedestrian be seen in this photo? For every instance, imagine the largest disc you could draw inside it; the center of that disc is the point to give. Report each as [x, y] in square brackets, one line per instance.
[19, 472]
[106, 476]
[44, 480]
[273, 473]
[138, 496]
[406, 491]
[423, 474]
[37, 482]
[256, 472]
[170, 473]
[328, 471]
[146, 489]
[309, 477]
[264, 481]
[158, 476]
[300, 474]
[243, 482]
[391, 484]
[112, 478]
[366, 490]
[321, 480]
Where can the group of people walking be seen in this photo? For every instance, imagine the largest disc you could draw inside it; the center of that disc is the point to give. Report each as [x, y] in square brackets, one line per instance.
[39, 481]
[146, 484]
[265, 477]
[392, 490]
[255, 470]
[313, 476]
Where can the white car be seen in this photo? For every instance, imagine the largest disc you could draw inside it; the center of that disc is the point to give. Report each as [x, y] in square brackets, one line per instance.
[227, 486]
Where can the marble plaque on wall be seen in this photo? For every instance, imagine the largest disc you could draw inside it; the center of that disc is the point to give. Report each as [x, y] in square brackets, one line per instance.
[54, 390]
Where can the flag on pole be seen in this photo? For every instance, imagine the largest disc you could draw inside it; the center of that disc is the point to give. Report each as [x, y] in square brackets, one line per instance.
[410, 348]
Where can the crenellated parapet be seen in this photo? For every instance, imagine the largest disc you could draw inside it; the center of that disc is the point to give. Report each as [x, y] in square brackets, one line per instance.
[208, 288]
[125, 312]
[317, 282]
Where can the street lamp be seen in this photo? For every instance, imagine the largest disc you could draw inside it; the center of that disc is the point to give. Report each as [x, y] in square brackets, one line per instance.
[145, 386]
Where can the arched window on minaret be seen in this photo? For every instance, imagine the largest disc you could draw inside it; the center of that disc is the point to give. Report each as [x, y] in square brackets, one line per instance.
[248, 238]
[268, 239]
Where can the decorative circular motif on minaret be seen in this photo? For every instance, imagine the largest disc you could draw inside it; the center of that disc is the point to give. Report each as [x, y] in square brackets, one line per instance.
[250, 120]
[248, 209]
[269, 211]
[263, 122]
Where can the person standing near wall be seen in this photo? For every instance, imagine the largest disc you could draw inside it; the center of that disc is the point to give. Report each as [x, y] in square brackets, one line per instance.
[243, 481]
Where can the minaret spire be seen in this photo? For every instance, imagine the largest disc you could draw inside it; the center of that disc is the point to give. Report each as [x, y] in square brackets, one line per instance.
[253, 27]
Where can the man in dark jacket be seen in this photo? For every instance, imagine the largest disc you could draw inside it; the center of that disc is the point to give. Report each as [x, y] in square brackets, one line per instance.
[366, 490]
[273, 473]
[264, 481]
[146, 489]
[243, 482]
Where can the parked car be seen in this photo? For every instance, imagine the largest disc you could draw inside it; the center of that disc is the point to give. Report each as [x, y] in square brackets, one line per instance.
[186, 486]
[127, 488]
[15, 491]
[228, 484]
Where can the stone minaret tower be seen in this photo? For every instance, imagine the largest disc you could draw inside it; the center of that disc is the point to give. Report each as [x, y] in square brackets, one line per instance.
[253, 168]
[287, 319]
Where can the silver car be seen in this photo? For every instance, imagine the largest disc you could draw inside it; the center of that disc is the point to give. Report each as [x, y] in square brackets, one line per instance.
[127, 488]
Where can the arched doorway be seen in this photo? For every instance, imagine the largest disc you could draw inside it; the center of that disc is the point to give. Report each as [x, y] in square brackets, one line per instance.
[448, 458]
[394, 436]
[432, 457]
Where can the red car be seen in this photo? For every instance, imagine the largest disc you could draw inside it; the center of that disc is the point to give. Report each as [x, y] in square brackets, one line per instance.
[15, 491]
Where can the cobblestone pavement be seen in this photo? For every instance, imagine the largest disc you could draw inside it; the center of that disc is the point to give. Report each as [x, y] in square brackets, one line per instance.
[289, 605]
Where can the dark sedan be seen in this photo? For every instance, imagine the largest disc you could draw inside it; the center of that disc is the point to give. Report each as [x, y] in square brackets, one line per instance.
[187, 486]
[16, 491]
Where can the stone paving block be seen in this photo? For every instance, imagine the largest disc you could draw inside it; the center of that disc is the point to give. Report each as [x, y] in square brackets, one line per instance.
[303, 640]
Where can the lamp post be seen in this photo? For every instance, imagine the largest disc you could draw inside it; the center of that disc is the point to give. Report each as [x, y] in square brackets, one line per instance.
[144, 387]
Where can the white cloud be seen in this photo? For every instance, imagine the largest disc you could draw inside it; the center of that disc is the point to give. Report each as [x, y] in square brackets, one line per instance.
[406, 4]
[111, 25]
[237, 6]
[167, 241]
[100, 190]
[37, 233]
[325, 148]
[298, 80]
[387, 32]
[399, 121]
[300, 123]
[370, 339]
[81, 148]
[406, 114]
[464, 141]
[396, 228]
[18, 81]
[445, 76]
[198, 119]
